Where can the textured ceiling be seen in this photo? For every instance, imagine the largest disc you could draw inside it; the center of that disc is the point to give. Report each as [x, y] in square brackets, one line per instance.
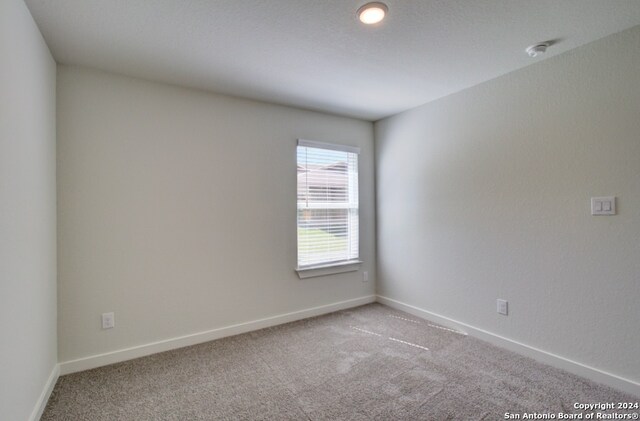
[316, 54]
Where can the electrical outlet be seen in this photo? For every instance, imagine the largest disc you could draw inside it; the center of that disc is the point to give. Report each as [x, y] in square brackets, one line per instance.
[108, 320]
[503, 307]
[365, 276]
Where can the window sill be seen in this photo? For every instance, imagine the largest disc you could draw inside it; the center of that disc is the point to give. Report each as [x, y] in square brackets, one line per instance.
[330, 269]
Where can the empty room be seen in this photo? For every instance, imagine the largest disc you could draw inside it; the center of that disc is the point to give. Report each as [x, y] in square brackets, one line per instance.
[319, 210]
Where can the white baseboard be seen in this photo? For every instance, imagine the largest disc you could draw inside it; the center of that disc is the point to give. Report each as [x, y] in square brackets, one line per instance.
[46, 393]
[583, 370]
[107, 358]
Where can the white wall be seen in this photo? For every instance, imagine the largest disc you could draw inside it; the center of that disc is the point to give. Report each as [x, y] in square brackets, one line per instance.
[177, 211]
[485, 194]
[27, 213]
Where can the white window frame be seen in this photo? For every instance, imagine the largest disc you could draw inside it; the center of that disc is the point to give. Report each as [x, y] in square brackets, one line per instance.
[333, 267]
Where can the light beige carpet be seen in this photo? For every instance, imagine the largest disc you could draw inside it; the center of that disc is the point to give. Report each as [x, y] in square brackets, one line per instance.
[368, 363]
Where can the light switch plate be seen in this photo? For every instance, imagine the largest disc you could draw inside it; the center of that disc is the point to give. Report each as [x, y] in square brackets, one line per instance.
[603, 205]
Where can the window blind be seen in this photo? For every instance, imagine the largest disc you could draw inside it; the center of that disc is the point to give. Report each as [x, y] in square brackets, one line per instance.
[327, 204]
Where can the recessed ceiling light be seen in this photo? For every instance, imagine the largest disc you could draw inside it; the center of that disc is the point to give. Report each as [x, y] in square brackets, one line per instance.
[537, 49]
[372, 13]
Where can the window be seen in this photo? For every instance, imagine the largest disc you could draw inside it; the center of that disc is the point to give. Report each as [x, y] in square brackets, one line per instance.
[327, 204]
